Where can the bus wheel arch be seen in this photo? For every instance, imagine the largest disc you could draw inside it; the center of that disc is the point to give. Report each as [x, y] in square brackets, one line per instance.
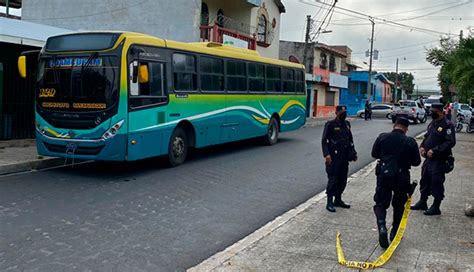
[190, 132]
[181, 139]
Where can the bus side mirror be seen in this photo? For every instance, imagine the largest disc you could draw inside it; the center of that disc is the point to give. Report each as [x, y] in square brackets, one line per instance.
[143, 76]
[22, 66]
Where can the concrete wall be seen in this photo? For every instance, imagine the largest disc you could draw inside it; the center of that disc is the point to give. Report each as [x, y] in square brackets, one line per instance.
[287, 49]
[150, 17]
[273, 12]
[236, 10]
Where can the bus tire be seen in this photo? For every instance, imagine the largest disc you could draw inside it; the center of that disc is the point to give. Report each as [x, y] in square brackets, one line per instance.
[177, 147]
[271, 137]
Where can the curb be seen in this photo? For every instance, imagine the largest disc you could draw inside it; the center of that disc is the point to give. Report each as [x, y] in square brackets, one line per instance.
[221, 257]
[30, 165]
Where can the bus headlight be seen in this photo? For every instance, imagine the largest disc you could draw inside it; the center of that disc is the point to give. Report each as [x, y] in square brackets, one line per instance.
[111, 132]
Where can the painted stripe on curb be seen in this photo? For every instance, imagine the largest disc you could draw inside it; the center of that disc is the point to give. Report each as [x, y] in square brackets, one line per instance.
[223, 256]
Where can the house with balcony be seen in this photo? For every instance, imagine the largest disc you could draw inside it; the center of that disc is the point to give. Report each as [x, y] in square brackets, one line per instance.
[252, 24]
[323, 74]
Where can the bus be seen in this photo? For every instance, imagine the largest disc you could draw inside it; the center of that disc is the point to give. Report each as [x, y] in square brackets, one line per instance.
[124, 96]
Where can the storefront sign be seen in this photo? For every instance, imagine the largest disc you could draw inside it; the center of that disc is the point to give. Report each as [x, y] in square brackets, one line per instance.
[338, 81]
[229, 40]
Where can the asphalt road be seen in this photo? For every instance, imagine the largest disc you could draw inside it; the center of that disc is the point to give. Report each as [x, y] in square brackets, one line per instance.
[143, 217]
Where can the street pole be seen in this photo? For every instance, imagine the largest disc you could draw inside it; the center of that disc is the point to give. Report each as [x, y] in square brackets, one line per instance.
[7, 6]
[369, 84]
[396, 83]
[306, 41]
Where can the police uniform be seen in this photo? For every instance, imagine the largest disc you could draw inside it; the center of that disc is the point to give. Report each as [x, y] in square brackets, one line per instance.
[404, 150]
[337, 142]
[440, 138]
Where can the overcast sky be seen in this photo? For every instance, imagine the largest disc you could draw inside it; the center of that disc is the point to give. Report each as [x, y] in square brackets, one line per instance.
[392, 42]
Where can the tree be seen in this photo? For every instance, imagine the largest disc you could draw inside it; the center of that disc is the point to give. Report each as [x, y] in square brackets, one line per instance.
[405, 79]
[456, 59]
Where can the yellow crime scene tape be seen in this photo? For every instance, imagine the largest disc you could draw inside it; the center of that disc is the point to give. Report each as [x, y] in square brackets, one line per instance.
[382, 259]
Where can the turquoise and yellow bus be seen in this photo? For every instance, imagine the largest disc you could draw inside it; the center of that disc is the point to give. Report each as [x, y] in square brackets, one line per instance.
[124, 96]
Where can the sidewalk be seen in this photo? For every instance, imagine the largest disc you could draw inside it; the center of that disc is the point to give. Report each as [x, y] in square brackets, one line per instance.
[304, 238]
[20, 156]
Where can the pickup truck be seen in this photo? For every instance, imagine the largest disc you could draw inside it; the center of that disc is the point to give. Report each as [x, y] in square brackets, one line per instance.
[410, 109]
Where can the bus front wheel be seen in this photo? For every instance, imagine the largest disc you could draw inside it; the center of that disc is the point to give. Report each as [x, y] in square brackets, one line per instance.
[178, 147]
[272, 132]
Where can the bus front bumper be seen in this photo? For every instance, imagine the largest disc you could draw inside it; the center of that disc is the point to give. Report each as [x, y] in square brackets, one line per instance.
[112, 149]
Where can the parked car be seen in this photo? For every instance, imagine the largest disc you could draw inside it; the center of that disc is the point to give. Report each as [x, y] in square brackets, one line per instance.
[410, 109]
[431, 100]
[378, 110]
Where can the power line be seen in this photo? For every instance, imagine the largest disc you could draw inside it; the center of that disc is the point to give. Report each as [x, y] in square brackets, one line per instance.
[408, 11]
[380, 20]
[397, 48]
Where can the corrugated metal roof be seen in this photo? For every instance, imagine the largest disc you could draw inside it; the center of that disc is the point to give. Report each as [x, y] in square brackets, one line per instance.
[22, 32]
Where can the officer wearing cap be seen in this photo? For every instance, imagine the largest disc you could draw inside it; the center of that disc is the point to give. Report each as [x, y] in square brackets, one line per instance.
[436, 149]
[338, 150]
[397, 153]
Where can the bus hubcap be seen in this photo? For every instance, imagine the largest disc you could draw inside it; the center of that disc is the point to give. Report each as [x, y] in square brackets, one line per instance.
[178, 147]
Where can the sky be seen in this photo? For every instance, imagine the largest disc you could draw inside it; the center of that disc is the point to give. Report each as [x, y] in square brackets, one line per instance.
[408, 45]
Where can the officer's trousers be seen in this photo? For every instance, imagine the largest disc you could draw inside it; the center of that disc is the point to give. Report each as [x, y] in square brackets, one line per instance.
[337, 176]
[398, 186]
[432, 179]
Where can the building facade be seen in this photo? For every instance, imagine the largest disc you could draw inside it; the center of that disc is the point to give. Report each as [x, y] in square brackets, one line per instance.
[253, 24]
[356, 95]
[324, 80]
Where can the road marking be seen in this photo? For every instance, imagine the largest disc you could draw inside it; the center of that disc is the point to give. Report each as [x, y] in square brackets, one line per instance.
[223, 256]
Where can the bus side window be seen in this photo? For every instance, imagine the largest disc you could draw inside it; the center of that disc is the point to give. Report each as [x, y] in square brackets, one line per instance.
[236, 79]
[299, 79]
[256, 74]
[212, 74]
[288, 78]
[184, 72]
[273, 79]
[152, 91]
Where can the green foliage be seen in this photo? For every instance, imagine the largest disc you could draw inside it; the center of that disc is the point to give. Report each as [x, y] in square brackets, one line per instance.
[456, 60]
[406, 80]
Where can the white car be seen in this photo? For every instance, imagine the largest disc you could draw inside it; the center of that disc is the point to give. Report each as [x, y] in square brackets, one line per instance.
[410, 109]
[431, 100]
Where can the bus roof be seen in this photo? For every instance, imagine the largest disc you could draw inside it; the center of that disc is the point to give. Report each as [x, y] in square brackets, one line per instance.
[210, 48]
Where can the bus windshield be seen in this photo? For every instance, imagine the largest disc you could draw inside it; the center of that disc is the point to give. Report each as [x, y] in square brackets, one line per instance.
[78, 83]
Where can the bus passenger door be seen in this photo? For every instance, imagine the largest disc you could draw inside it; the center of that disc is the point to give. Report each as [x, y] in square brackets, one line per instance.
[147, 104]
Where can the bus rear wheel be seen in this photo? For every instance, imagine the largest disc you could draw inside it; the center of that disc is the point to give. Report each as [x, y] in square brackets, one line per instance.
[271, 137]
[178, 147]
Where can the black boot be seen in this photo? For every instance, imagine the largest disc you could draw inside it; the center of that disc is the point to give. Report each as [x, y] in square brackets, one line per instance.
[420, 205]
[393, 233]
[383, 239]
[434, 209]
[330, 205]
[339, 203]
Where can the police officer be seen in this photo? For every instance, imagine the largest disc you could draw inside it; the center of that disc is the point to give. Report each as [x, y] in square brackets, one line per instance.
[338, 150]
[396, 153]
[435, 148]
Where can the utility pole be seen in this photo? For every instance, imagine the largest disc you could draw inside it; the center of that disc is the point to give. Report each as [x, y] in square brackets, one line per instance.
[7, 6]
[369, 84]
[460, 36]
[396, 83]
[306, 41]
